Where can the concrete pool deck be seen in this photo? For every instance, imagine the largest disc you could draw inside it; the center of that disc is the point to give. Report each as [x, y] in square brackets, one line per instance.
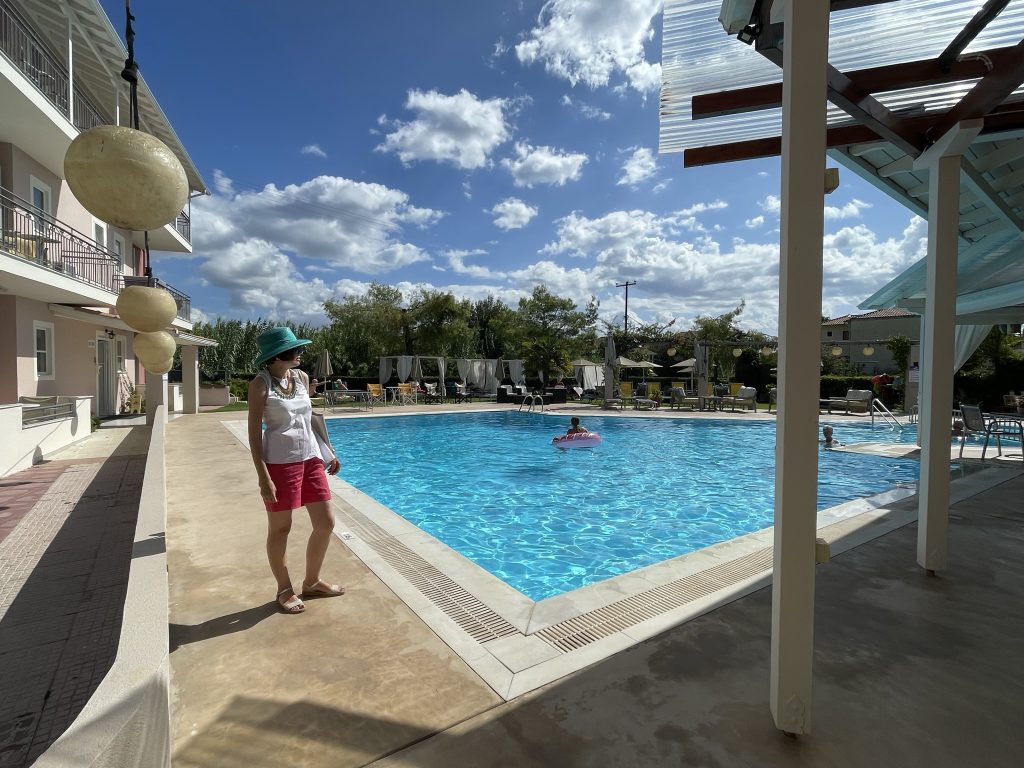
[363, 677]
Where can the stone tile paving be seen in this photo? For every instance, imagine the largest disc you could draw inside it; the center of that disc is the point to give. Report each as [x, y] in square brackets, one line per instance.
[63, 574]
[20, 491]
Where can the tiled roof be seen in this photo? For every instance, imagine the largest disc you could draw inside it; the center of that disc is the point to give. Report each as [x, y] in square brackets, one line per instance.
[876, 314]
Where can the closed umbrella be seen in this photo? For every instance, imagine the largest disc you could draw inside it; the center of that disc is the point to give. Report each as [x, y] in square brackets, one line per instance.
[322, 370]
[609, 371]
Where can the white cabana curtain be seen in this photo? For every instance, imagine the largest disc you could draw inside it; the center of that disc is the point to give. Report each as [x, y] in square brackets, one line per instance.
[966, 339]
[440, 362]
[516, 371]
[491, 377]
[589, 376]
[404, 367]
[386, 368]
[463, 366]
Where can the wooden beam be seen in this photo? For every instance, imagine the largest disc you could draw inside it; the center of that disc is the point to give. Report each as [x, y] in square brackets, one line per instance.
[867, 110]
[971, 30]
[911, 74]
[991, 91]
[1007, 117]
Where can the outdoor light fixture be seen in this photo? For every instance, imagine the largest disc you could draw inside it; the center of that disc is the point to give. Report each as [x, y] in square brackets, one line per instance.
[736, 352]
[766, 351]
[837, 351]
[671, 351]
[868, 350]
[749, 34]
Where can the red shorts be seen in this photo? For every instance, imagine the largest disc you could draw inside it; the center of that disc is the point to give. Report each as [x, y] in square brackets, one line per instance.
[298, 484]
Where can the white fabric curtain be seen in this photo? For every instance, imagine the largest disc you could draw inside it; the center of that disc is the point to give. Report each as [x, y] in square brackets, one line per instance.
[540, 375]
[386, 367]
[589, 376]
[477, 373]
[404, 367]
[490, 376]
[463, 365]
[516, 371]
[441, 364]
[966, 339]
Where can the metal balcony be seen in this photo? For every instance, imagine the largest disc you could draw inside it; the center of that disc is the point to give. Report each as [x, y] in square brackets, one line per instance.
[32, 234]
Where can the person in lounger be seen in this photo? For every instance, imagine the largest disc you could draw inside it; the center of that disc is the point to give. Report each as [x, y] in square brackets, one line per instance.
[575, 428]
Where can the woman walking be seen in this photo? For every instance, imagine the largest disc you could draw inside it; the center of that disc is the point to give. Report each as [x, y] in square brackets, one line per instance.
[290, 464]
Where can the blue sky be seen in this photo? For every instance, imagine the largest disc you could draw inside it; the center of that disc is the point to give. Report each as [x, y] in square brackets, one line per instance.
[477, 147]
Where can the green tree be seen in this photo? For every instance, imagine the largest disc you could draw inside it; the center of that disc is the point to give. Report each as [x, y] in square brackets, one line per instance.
[439, 324]
[721, 335]
[550, 331]
[492, 322]
[365, 328]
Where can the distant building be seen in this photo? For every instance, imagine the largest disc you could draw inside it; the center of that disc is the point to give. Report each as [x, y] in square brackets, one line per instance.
[854, 334]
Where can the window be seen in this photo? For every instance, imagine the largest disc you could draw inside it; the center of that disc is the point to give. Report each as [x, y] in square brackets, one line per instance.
[41, 199]
[120, 248]
[44, 349]
[119, 352]
[846, 335]
[99, 233]
[828, 334]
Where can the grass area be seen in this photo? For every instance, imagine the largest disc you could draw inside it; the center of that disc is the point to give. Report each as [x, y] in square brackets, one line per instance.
[239, 406]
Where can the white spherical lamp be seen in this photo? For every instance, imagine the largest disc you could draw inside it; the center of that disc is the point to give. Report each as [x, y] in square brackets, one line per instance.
[868, 350]
[161, 367]
[836, 351]
[736, 352]
[153, 348]
[125, 177]
[146, 309]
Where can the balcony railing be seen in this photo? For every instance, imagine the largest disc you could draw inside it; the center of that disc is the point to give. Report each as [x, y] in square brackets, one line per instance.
[37, 237]
[50, 76]
[183, 302]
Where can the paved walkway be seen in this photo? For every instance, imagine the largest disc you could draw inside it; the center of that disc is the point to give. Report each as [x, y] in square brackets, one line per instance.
[66, 532]
[910, 670]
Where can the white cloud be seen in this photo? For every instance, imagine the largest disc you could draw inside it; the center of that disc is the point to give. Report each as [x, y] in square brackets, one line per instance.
[850, 210]
[771, 204]
[460, 129]
[590, 41]
[638, 166]
[543, 165]
[754, 223]
[222, 183]
[588, 111]
[313, 149]
[457, 263]
[331, 220]
[512, 213]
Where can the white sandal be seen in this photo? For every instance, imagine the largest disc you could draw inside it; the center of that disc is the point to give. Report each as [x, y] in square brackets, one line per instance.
[288, 606]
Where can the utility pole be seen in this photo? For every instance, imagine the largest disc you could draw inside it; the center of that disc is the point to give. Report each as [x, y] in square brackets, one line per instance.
[625, 316]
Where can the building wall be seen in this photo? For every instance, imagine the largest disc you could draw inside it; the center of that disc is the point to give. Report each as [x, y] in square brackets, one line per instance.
[8, 348]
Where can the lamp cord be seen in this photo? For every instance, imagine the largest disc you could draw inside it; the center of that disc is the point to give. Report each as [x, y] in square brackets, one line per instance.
[130, 73]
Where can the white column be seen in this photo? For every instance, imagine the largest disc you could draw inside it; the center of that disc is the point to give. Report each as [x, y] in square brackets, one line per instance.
[800, 275]
[190, 378]
[71, 74]
[942, 160]
[156, 394]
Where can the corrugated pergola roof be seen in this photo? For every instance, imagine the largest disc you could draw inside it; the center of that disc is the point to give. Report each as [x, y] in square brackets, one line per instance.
[902, 72]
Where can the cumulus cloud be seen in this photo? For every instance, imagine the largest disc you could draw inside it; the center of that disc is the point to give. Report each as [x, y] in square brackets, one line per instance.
[457, 263]
[543, 165]
[460, 129]
[313, 149]
[754, 223]
[850, 210]
[638, 166]
[512, 213]
[590, 41]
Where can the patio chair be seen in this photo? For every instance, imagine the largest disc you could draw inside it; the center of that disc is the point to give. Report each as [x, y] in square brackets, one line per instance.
[746, 397]
[432, 395]
[999, 428]
[773, 399]
[680, 399]
[406, 394]
[626, 391]
[974, 424]
[376, 394]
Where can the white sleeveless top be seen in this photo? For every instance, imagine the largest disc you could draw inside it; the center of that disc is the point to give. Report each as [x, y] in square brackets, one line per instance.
[289, 435]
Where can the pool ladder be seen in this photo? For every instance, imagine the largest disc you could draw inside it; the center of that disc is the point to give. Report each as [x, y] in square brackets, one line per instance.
[885, 413]
[532, 400]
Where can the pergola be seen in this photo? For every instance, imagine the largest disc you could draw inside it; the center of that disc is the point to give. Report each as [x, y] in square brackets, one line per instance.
[925, 102]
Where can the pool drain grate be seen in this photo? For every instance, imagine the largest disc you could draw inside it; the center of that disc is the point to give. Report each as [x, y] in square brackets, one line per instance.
[471, 615]
[580, 631]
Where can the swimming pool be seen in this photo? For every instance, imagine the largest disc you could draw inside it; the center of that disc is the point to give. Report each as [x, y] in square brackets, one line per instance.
[491, 486]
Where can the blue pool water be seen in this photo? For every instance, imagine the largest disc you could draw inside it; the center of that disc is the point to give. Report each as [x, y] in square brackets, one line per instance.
[547, 521]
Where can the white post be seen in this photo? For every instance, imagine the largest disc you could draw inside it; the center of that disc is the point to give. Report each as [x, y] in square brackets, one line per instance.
[156, 395]
[943, 163]
[71, 74]
[190, 378]
[800, 274]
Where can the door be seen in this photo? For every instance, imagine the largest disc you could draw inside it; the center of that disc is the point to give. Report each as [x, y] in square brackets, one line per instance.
[106, 378]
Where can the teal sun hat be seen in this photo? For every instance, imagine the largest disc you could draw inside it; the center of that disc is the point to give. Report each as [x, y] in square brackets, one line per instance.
[275, 341]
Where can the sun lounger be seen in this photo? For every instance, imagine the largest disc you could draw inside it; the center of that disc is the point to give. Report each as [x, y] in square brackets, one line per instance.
[856, 400]
[745, 397]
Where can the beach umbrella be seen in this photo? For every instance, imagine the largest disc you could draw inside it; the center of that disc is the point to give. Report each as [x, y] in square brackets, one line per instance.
[623, 362]
[646, 365]
[581, 361]
[685, 364]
